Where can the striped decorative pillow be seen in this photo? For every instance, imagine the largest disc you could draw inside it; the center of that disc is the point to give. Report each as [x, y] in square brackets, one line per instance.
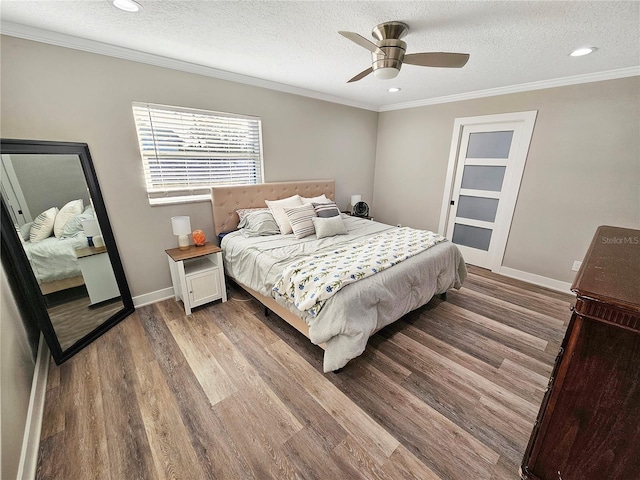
[326, 210]
[301, 220]
[43, 225]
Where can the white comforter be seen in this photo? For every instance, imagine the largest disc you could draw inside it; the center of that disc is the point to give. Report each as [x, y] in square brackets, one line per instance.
[55, 258]
[347, 319]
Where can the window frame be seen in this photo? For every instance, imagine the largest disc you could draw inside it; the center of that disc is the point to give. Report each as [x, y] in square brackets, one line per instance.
[159, 194]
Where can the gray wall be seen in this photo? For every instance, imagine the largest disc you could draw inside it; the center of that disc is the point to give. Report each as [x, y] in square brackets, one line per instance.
[49, 180]
[16, 374]
[583, 169]
[55, 93]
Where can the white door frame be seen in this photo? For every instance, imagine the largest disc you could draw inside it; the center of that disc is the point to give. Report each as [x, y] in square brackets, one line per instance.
[512, 183]
[13, 192]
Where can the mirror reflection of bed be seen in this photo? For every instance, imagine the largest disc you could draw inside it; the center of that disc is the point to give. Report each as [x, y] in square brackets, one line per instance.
[49, 203]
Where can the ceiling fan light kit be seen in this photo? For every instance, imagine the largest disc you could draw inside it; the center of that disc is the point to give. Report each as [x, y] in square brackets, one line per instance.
[385, 73]
[388, 53]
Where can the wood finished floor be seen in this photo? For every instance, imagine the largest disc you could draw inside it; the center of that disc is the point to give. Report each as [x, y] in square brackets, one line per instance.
[450, 391]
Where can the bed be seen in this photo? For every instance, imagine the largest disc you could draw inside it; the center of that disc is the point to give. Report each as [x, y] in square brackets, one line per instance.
[349, 317]
[50, 243]
[54, 262]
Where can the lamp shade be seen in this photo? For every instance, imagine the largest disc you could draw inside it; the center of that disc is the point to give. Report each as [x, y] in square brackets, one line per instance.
[355, 199]
[181, 225]
[91, 227]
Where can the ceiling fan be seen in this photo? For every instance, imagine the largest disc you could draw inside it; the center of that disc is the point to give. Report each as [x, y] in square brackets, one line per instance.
[388, 52]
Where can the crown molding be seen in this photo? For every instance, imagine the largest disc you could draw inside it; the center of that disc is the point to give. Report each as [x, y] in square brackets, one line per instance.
[523, 87]
[92, 46]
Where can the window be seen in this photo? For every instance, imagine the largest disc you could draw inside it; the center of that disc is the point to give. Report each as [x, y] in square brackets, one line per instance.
[186, 151]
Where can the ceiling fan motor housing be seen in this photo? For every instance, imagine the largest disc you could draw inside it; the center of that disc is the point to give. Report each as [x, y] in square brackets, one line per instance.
[388, 37]
[394, 50]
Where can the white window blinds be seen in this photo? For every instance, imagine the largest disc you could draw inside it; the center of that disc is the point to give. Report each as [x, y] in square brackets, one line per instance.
[184, 151]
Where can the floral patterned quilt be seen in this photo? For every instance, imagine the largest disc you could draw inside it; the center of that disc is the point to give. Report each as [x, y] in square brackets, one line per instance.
[310, 282]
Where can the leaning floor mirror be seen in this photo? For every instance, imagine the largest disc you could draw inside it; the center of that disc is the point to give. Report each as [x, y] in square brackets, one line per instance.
[58, 248]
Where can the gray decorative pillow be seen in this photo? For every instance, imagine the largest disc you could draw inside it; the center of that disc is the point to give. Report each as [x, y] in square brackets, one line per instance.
[258, 224]
[328, 227]
[243, 212]
[326, 210]
[301, 220]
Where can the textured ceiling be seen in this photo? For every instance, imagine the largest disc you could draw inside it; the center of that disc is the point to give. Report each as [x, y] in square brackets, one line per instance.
[296, 43]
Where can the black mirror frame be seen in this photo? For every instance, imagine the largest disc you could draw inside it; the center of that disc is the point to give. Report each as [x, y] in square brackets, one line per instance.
[23, 282]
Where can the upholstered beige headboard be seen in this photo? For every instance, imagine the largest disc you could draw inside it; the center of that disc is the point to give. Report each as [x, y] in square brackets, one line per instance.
[226, 200]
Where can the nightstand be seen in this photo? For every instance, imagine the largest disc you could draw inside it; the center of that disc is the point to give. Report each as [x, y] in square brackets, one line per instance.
[197, 275]
[98, 274]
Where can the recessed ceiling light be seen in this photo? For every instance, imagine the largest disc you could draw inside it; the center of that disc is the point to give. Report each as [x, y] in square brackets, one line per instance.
[394, 89]
[127, 5]
[579, 52]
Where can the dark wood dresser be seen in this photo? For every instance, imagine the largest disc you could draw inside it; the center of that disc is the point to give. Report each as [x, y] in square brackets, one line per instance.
[588, 427]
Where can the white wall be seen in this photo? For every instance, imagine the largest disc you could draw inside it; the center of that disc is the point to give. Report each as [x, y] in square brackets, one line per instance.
[55, 93]
[16, 374]
[583, 169]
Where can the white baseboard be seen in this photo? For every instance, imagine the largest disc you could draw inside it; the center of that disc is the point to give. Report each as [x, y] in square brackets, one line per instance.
[33, 427]
[547, 282]
[152, 297]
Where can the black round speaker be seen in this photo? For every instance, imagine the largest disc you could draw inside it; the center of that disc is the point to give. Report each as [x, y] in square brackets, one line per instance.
[360, 209]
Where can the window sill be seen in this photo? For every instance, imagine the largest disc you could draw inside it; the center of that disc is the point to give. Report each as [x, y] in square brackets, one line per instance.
[159, 202]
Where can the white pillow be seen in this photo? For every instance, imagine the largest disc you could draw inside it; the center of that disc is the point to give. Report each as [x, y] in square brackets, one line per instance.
[70, 210]
[43, 225]
[318, 199]
[328, 227]
[277, 210]
[301, 220]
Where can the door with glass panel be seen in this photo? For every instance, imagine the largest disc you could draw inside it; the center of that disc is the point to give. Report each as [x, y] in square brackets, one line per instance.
[487, 168]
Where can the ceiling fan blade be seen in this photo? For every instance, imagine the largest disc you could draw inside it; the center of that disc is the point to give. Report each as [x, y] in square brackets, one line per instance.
[361, 75]
[437, 59]
[363, 42]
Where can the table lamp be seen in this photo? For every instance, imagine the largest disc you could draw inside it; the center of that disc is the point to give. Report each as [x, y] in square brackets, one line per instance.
[182, 228]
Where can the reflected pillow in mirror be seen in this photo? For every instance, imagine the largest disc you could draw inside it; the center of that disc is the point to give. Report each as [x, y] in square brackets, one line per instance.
[25, 230]
[258, 224]
[43, 225]
[74, 224]
[19, 234]
[328, 227]
[70, 210]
